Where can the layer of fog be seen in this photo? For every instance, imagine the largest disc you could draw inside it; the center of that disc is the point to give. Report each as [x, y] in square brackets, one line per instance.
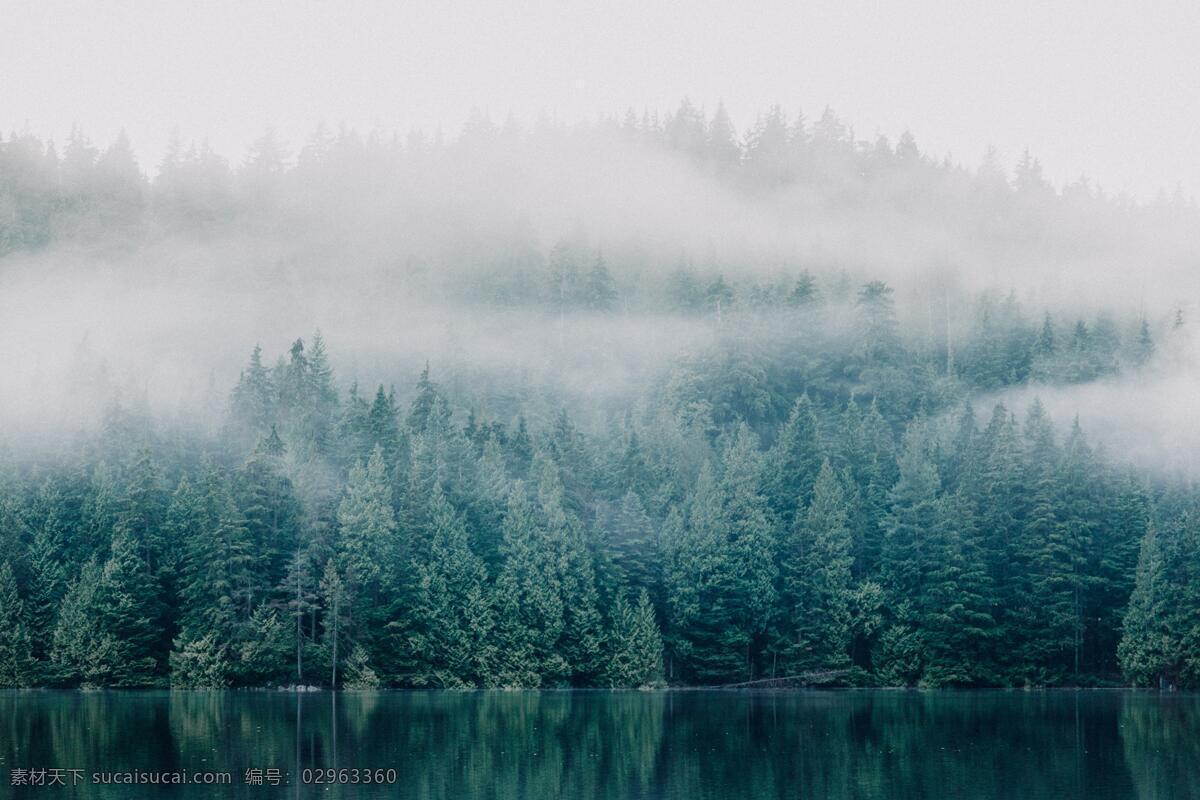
[1150, 419]
[381, 255]
[73, 344]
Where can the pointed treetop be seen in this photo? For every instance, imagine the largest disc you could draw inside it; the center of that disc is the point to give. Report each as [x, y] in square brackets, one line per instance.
[271, 444]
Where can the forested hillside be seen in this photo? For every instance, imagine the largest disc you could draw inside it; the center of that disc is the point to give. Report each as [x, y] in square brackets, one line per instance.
[837, 473]
[747, 519]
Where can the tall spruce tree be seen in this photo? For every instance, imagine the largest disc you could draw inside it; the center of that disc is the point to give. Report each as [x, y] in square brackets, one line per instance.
[1002, 504]
[452, 612]
[814, 621]
[272, 513]
[337, 598]
[793, 464]
[632, 543]
[47, 585]
[16, 661]
[219, 585]
[1112, 569]
[85, 653]
[1082, 501]
[866, 451]
[528, 601]
[955, 606]
[262, 653]
[1145, 651]
[1047, 599]
[142, 510]
[1159, 645]
[751, 537]
[698, 584]
[910, 519]
[905, 561]
[634, 645]
[252, 404]
[582, 640]
[369, 556]
[488, 500]
[127, 609]
[299, 592]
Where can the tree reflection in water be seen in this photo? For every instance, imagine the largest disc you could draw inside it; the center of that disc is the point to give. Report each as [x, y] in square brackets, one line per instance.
[682, 745]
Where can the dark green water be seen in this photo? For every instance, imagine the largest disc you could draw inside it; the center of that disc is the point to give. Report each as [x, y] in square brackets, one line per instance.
[674, 745]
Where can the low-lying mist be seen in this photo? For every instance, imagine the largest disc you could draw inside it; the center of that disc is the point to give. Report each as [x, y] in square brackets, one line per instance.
[1150, 418]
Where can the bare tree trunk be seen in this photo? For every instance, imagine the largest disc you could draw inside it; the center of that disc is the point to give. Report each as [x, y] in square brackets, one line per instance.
[336, 616]
[299, 636]
[949, 338]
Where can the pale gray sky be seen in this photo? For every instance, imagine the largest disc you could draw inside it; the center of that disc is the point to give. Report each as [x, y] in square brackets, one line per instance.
[1106, 89]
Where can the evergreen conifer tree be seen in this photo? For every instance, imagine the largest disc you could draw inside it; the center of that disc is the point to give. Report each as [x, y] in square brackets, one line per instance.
[752, 545]
[369, 556]
[298, 589]
[48, 585]
[219, 585]
[201, 663]
[528, 602]
[126, 604]
[793, 464]
[582, 640]
[83, 652]
[814, 627]
[16, 665]
[954, 613]
[1146, 644]
[698, 578]
[359, 675]
[452, 610]
[634, 644]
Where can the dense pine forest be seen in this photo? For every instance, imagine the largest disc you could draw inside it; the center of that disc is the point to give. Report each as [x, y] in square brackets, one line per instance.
[842, 474]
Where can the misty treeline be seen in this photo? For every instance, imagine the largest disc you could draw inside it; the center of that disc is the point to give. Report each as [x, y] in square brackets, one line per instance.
[471, 209]
[820, 500]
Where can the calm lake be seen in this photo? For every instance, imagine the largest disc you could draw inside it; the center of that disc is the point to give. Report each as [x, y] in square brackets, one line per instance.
[682, 745]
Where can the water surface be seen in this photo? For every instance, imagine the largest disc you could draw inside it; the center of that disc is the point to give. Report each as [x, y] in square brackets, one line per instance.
[684, 745]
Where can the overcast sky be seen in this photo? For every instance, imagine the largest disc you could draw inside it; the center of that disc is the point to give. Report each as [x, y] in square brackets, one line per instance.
[1106, 89]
